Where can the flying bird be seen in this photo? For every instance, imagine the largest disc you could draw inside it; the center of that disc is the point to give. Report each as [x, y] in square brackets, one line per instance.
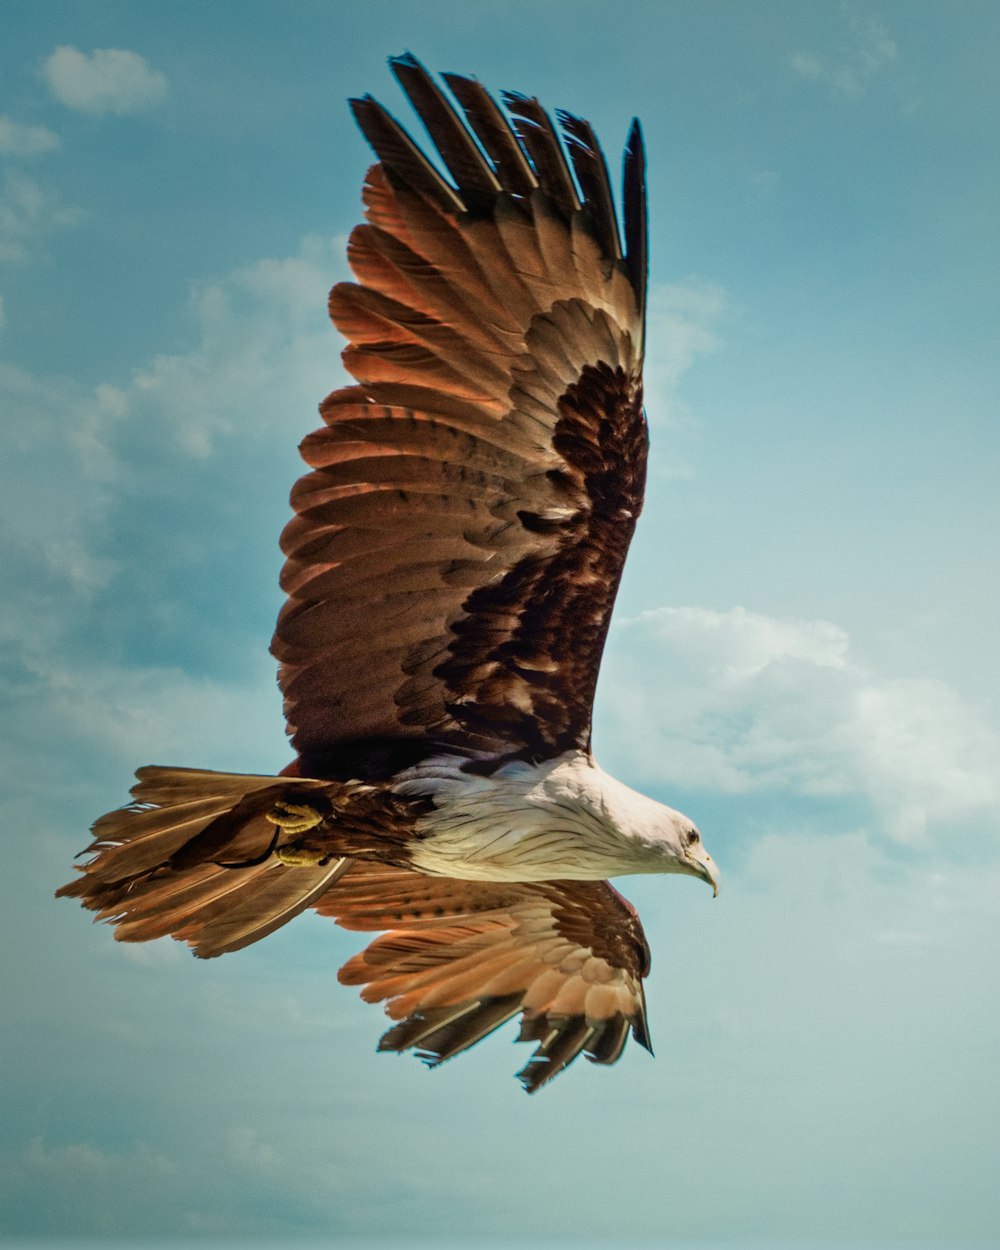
[452, 565]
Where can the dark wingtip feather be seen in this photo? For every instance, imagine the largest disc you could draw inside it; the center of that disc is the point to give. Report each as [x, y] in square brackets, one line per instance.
[487, 154]
[608, 1043]
[538, 138]
[592, 177]
[494, 133]
[560, 1040]
[440, 1033]
[476, 180]
[400, 156]
[640, 1025]
[635, 213]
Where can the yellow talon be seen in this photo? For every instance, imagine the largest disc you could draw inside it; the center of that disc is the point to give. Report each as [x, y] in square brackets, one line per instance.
[300, 857]
[294, 817]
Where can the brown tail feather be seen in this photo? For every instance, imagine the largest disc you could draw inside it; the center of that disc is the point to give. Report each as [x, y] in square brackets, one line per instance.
[159, 864]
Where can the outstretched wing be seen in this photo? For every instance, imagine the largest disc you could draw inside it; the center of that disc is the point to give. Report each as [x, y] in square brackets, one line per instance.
[460, 958]
[458, 546]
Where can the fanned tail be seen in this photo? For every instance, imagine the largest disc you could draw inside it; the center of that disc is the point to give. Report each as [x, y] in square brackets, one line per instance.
[190, 857]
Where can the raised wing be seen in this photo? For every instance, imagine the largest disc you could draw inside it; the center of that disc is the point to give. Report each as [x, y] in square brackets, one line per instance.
[460, 958]
[458, 546]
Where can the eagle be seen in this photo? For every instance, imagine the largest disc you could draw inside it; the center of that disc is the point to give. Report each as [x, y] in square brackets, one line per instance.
[451, 568]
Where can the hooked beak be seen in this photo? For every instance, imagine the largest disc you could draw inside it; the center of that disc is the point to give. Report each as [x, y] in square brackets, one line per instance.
[706, 869]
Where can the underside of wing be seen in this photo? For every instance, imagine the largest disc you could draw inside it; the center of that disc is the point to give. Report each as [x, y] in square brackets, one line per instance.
[460, 958]
[457, 548]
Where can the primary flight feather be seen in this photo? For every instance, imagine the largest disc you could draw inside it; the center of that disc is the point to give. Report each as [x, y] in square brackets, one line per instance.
[451, 571]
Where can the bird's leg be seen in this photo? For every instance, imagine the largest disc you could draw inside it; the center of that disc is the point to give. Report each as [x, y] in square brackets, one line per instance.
[296, 819]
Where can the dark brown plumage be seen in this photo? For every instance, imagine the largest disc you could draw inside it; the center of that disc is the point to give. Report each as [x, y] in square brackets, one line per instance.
[451, 571]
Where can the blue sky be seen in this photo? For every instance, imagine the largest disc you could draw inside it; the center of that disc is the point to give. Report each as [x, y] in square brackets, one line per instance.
[804, 656]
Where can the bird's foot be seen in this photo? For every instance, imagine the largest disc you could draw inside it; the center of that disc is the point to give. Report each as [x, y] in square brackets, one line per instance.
[294, 817]
[301, 856]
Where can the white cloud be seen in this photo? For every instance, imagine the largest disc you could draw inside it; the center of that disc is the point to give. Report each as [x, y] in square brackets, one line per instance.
[151, 955]
[29, 212]
[108, 80]
[20, 140]
[265, 354]
[177, 718]
[265, 348]
[932, 761]
[56, 490]
[743, 703]
[99, 1190]
[683, 326]
[866, 50]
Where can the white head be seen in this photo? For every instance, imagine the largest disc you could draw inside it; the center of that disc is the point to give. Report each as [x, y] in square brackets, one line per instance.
[661, 839]
[681, 839]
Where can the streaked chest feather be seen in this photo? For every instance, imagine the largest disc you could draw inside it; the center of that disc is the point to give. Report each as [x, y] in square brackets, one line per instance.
[525, 823]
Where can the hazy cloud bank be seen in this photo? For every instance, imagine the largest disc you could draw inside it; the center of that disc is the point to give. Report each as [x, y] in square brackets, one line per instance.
[742, 702]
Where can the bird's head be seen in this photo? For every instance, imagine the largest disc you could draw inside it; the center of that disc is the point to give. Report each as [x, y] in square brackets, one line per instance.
[671, 841]
[649, 836]
[693, 858]
[676, 844]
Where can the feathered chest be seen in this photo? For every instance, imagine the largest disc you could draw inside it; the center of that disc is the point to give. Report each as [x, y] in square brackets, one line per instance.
[524, 823]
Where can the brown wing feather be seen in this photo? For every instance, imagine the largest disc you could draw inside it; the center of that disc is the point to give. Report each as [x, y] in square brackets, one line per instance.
[460, 958]
[457, 548]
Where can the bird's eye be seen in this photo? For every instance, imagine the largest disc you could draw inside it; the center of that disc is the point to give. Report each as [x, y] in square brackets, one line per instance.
[693, 837]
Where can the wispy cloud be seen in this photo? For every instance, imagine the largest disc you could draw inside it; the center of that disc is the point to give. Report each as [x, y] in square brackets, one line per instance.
[741, 702]
[55, 499]
[684, 326]
[20, 140]
[101, 1187]
[166, 714]
[95, 476]
[866, 49]
[83, 1160]
[107, 80]
[264, 346]
[684, 322]
[263, 352]
[29, 213]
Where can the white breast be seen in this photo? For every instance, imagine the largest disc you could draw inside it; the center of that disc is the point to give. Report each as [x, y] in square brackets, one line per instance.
[565, 818]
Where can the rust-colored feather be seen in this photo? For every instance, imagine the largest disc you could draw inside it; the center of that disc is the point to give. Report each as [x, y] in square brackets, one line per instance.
[495, 431]
[460, 958]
